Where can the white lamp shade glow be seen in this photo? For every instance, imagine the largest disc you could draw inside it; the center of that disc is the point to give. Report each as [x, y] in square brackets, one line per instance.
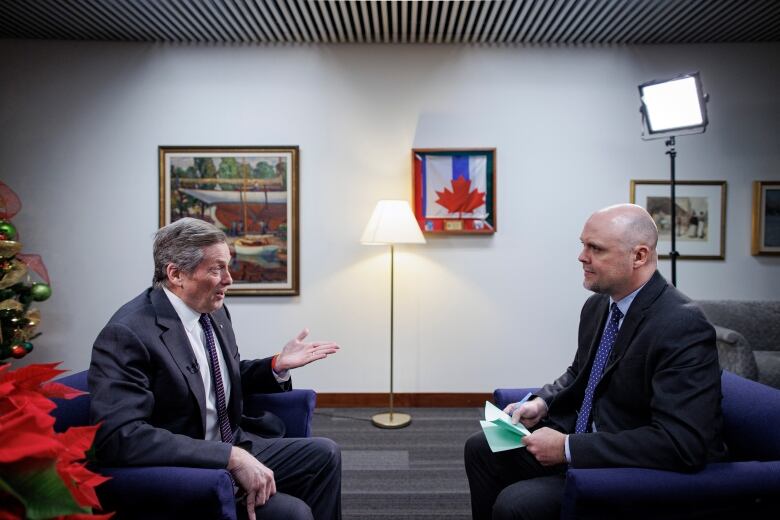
[392, 222]
[674, 104]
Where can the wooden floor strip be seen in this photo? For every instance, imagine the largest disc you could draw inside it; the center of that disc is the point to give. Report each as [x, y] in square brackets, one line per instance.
[422, 400]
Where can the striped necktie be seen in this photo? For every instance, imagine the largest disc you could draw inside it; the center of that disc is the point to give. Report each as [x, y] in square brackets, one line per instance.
[216, 375]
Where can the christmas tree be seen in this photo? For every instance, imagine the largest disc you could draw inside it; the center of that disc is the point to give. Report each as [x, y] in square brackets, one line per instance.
[18, 319]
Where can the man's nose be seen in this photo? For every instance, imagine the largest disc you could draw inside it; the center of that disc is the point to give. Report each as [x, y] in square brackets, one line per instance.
[226, 278]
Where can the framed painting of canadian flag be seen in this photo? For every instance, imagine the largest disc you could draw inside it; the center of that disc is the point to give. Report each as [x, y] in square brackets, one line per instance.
[455, 190]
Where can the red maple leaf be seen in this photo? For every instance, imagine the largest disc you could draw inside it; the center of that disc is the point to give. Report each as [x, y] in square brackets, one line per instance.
[461, 199]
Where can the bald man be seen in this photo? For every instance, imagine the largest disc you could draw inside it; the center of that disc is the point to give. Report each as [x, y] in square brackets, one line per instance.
[643, 389]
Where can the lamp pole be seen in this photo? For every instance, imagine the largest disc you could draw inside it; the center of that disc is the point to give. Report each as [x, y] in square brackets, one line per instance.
[673, 254]
[392, 322]
[392, 222]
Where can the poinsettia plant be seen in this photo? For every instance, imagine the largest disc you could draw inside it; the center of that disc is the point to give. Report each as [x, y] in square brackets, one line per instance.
[43, 474]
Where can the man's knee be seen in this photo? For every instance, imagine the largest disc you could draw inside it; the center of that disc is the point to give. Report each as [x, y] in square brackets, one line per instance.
[299, 510]
[284, 506]
[327, 451]
[475, 448]
[533, 499]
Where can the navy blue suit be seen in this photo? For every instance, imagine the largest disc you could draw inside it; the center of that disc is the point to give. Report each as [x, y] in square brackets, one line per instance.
[148, 394]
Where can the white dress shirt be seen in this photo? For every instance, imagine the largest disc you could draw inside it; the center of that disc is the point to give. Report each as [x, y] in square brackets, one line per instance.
[189, 318]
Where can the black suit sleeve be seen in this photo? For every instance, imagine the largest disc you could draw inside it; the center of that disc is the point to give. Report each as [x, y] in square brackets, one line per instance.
[258, 378]
[123, 403]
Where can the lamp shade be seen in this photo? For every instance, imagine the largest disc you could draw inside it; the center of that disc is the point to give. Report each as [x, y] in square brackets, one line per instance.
[392, 222]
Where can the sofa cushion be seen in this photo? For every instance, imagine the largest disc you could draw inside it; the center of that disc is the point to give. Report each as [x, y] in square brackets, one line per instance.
[758, 321]
[768, 367]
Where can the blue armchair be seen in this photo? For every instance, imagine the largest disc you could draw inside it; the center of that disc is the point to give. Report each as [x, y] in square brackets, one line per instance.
[152, 493]
[747, 485]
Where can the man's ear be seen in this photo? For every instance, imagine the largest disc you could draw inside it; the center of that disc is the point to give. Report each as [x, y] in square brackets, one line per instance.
[174, 275]
[641, 256]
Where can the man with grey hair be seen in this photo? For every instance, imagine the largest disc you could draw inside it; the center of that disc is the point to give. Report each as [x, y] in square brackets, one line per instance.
[643, 389]
[167, 386]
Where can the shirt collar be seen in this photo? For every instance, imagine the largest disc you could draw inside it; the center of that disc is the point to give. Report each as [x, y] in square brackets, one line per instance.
[187, 315]
[626, 301]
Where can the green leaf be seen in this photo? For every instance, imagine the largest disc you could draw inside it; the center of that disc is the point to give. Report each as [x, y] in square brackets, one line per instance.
[42, 492]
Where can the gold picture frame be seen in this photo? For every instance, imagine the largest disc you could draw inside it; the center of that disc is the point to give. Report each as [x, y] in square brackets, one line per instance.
[251, 193]
[766, 218]
[701, 216]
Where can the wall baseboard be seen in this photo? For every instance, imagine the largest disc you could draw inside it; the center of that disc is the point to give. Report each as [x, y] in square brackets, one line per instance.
[416, 399]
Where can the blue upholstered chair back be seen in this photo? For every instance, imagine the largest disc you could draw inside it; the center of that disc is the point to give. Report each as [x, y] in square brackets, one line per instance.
[751, 419]
[72, 412]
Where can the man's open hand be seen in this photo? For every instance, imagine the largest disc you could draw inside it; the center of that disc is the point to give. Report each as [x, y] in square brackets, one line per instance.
[296, 353]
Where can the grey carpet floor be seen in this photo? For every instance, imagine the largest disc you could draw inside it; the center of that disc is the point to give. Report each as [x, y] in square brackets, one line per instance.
[407, 474]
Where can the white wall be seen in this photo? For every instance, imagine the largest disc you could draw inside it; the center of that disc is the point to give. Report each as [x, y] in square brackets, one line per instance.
[80, 124]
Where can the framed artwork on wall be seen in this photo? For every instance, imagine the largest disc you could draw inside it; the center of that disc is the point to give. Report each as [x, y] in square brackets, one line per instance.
[455, 190]
[249, 192]
[700, 214]
[766, 218]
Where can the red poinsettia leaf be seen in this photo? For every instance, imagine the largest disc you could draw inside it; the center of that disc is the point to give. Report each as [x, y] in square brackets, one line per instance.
[77, 440]
[35, 263]
[6, 388]
[81, 482]
[28, 445]
[461, 199]
[32, 376]
[58, 390]
[27, 433]
[9, 202]
[29, 399]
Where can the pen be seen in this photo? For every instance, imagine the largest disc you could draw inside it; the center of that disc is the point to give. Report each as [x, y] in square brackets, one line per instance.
[518, 403]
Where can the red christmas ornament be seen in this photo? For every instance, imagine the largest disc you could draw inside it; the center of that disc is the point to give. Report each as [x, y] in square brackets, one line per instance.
[18, 351]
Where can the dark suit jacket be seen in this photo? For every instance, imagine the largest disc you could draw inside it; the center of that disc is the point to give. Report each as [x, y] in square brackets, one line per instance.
[658, 402]
[149, 396]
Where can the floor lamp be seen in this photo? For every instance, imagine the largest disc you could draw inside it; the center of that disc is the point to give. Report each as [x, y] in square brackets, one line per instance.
[391, 223]
[670, 108]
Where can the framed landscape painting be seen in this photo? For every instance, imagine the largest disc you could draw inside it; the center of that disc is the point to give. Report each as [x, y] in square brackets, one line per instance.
[455, 190]
[250, 193]
[766, 218]
[700, 214]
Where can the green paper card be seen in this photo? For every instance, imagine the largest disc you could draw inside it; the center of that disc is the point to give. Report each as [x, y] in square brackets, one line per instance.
[500, 433]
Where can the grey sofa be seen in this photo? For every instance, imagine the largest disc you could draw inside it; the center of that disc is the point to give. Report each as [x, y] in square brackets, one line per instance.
[748, 336]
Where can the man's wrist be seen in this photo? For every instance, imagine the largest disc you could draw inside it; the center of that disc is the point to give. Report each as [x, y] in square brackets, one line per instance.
[278, 367]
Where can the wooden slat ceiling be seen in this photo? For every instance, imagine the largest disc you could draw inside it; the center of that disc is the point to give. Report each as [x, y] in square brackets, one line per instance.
[304, 21]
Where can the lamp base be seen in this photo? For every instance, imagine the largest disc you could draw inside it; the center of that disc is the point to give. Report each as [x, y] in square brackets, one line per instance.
[391, 421]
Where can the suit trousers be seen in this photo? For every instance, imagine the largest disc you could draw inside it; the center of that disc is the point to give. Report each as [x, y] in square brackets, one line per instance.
[511, 484]
[307, 472]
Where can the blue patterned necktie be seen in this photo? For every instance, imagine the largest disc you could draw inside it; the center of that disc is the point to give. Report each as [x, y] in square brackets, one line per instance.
[216, 376]
[605, 347]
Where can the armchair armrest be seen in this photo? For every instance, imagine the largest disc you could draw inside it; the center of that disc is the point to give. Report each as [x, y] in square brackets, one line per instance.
[622, 492]
[504, 396]
[161, 493]
[295, 408]
[735, 353]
